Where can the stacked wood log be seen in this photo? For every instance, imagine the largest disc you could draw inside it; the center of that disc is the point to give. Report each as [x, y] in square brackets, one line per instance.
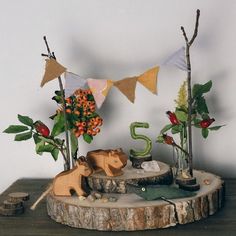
[14, 205]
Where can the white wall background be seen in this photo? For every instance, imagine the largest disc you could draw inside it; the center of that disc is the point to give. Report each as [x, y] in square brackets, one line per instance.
[113, 39]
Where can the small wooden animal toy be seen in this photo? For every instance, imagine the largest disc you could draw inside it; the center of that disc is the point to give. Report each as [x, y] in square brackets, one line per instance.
[72, 179]
[110, 161]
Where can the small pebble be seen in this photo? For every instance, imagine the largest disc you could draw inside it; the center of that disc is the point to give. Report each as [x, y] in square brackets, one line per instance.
[112, 199]
[104, 199]
[150, 166]
[98, 195]
[82, 198]
[91, 198]
[206, 181]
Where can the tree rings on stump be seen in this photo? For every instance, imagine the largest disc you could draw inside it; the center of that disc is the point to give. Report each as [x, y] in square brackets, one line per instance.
[190, 187]
[12, 205]
[16, 196]
[188, 184]
[130, 212]
[102, 183]
[188, 181]
[11, 212]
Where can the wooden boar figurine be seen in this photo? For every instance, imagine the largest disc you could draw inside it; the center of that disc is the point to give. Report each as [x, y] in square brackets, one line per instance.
[72, 179]
[110, 161]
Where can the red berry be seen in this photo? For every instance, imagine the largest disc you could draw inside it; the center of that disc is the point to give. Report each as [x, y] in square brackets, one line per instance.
[42, 128]
[168, 139]
[172, 117]
[206, 123]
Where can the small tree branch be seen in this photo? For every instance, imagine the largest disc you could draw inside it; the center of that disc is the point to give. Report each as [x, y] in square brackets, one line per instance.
[189, 121]
[184, 34]
[196, 28]
[42, 196]
[52, 55]
[48, 49]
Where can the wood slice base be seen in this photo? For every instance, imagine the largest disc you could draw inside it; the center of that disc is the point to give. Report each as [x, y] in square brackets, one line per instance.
[18, 196]
[12, 205]
[105, 184]
[131, 212]
[11, 212]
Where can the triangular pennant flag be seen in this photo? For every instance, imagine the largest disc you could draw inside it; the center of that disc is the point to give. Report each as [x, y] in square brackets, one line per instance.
[72, 83]
[177, 59]
[107, 88]
[149, 79]
[127, 87]
[52, 70]
[97, 87]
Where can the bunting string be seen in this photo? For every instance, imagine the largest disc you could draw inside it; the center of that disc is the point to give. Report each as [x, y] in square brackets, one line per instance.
[101, 87]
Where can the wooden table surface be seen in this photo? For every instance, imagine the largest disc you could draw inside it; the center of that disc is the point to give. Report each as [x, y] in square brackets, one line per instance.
[37, 223]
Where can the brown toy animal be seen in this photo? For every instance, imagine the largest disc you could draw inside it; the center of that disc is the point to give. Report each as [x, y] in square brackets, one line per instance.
[110, 161]
[72, 179]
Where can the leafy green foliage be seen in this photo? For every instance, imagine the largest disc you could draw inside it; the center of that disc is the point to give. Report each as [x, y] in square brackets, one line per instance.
[36, 138]
[47, 145]
[46, 148]
[74, 143]
[160, 139]
[58, 98]
[49, 148]
[55, 153]
[81, 118]
[205, 116]
[59, 93]
[181, 115]
[196, 122]
[200, 89]
[25, 120]
[176, 129]
[59, 142]
[199, 114]
[38, 143]
[205, 132]
[200, 105]
[166, 128]
[38, 146]
[59, 125]
[23, 136]
[47, 140]
[14, 129]
[87, 138]
[216, 127]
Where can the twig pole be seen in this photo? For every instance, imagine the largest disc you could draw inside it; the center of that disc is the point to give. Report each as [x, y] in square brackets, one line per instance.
[188, 45]
[41, 197]
[52, 55]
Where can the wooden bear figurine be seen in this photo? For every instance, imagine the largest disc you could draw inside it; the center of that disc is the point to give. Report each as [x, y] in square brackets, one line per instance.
[110, 161]
[72, 179]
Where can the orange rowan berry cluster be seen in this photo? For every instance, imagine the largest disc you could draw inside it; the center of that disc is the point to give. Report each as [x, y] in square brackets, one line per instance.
[80, 108]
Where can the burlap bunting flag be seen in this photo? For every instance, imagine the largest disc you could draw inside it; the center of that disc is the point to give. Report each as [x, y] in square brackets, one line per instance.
[149, 79]
[52, 70]
[127, 86]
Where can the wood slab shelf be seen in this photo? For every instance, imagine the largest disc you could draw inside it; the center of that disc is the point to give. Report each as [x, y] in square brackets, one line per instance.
[132, 213]
[102, 183]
